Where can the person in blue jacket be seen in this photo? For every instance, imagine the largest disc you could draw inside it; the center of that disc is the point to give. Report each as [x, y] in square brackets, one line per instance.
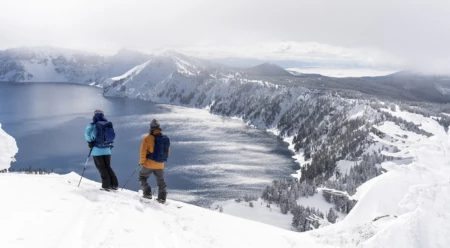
[102, 156]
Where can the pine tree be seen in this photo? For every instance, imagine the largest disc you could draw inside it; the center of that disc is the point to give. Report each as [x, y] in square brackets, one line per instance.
[332, 216]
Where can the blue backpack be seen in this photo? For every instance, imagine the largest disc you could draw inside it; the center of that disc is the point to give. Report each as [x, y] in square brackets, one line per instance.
[161, 151]
[104, 134]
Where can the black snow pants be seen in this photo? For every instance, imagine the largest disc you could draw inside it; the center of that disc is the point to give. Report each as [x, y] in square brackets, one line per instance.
[103, 164]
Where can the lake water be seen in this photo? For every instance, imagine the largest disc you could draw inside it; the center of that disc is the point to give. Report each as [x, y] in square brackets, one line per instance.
[212, 158]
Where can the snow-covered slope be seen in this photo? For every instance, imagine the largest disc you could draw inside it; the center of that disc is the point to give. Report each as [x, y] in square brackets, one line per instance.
[49, 64]
[167, 77]
[123, 61]
[259, 210]
[409, 205]
[8, 149]
[255, 210]
[51, 211]
[181, 80]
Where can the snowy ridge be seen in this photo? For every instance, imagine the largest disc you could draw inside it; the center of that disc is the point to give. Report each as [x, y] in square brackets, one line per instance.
[46, 64]
[222, 91]
[68, 216]
[417, 194]
[8, 149]
[57, 65]
[424, 222]
[135, 70]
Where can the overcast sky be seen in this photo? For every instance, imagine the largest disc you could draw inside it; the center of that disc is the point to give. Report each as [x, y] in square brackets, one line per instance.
[403, 33]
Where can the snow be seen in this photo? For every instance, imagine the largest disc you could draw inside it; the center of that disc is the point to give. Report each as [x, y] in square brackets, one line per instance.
[272, 216]
[133, 71]
[443, 90]
[54, 212]
[259, 212]
[414, 118]
[8, 149]
[425, 222]
[414, 194]
[344, 166]
[398, 134]
[317, 201]
[431, 159]
[342, 72]
[298, 156]
[43, 72]
[357, 111]
[184, 66]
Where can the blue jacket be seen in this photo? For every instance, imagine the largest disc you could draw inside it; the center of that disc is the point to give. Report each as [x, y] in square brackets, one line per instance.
[89, 134]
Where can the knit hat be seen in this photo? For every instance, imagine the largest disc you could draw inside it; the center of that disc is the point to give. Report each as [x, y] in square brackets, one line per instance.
[154, 124]
[98, 111]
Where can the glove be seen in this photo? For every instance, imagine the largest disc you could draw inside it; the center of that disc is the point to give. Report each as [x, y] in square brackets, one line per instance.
[91, 144]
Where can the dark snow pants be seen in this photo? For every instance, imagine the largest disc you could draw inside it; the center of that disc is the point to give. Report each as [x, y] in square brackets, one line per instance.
[145, 173]
[103, 164]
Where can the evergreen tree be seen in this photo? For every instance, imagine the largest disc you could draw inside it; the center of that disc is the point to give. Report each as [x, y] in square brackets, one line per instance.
[332, 216]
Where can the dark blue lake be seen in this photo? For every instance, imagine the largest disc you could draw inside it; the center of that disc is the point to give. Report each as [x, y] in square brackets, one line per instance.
[212, 158]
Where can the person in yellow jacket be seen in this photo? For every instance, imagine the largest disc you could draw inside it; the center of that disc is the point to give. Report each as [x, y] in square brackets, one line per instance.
[150, 166]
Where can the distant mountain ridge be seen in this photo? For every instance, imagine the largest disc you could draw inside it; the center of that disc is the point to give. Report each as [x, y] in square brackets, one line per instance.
[48, 64]
[268, 69]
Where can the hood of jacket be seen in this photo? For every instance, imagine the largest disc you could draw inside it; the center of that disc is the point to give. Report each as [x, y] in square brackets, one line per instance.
[98, 117]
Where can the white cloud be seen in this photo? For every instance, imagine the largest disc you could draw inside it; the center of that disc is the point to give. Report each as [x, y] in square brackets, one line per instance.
[305, 51]
[413, 33]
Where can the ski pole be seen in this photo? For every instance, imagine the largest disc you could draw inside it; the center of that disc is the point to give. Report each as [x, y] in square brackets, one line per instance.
[85, 166]
[130, 176]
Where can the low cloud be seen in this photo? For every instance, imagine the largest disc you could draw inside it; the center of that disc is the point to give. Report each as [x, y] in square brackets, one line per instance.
[384, 33]
[301, 51]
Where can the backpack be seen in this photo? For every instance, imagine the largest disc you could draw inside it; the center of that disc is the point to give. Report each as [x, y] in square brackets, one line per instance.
[161, 151]
[104, 135]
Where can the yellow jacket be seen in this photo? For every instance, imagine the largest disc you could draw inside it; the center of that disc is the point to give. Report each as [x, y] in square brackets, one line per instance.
[148, 146]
